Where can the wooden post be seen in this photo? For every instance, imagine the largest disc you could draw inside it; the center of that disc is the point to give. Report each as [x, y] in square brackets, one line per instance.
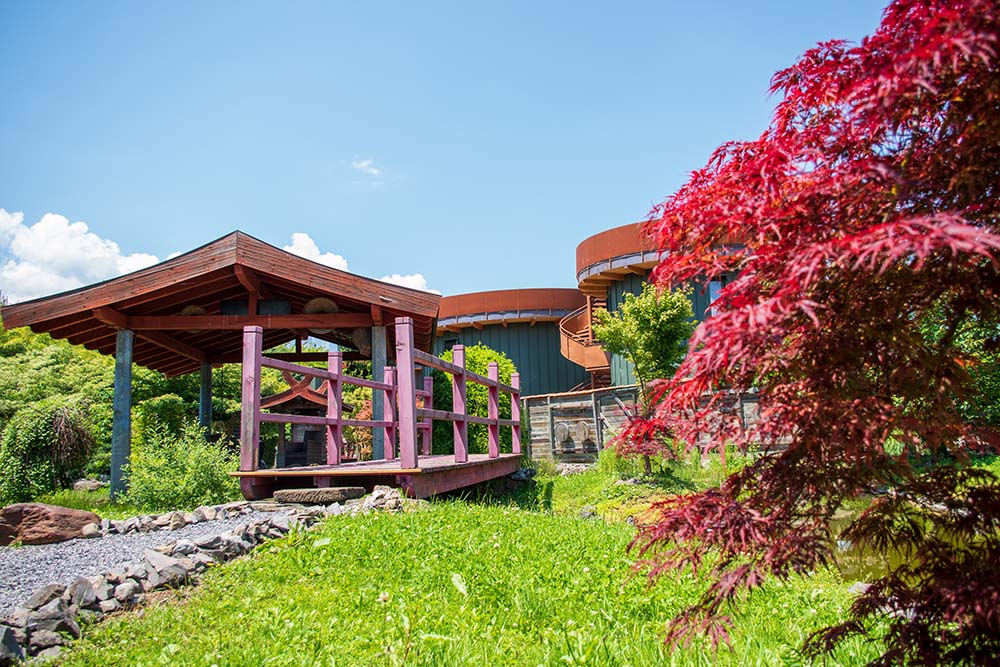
[121, 424]
[205, 397]
[515, 413]
[379, 355]
[406, 396]
[493, 428]
[461, 426]
[428, 404]
[334, 408]
[253, 339]
[389, 402]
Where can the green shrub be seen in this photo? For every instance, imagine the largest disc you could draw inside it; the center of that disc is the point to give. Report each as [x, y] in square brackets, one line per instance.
[169, 471]
[44, 447]
[477, 360]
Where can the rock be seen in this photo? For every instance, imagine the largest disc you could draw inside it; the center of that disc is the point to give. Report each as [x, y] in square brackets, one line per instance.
[210, 542]
[81, 593]
[115, 576]
[588, 512]
[90, 531]
[184, 548]
[108, 527]
[49, 654]
[161, 521]
[10, 650]
[131, 525]
[88, 485]
[167, 568]
[54, 616]
[18, 618]
[43, 639]
[177, 521]
[325, 496]
[102, 589]
[43, 596]
[127, 590]
[201, 561]
[332, 510]
[111, 605]
[524, 474]
[38, 523]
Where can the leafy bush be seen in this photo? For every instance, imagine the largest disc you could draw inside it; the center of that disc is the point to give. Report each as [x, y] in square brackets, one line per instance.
[44, 447]
[358, 439]
[169, 471]
[477, 360]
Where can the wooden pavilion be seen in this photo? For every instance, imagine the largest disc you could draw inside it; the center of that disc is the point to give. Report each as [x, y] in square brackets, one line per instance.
[188, 313]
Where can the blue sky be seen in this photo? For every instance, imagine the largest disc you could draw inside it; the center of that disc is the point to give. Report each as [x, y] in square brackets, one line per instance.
[472, 143]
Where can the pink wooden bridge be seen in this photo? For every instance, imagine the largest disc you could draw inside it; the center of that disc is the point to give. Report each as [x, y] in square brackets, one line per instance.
[408, 461]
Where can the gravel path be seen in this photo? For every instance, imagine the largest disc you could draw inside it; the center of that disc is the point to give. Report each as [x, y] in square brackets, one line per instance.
[24, 569]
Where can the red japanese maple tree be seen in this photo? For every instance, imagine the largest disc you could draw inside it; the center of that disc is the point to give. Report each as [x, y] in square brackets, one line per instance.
[867, 210]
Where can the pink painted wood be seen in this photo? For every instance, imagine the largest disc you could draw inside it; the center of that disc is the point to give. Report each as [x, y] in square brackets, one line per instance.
[493, 410]
[334, 408]
[406, 397]
[515, 413]
[427, 434]
[253, 338]
[389, 413]
[461, 427]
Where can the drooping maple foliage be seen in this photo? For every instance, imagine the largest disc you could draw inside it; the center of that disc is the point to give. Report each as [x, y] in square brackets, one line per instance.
[867, 209]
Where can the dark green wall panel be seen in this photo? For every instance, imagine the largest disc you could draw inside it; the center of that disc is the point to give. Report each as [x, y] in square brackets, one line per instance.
[533, 349]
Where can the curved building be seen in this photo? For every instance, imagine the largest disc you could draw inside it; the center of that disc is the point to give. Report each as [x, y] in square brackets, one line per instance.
[521, 323]
[610, 265]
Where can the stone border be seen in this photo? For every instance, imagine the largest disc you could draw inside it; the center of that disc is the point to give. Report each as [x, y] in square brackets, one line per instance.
[41, 625]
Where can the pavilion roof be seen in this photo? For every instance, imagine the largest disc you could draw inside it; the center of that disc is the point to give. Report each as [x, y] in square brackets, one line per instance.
[209, 284]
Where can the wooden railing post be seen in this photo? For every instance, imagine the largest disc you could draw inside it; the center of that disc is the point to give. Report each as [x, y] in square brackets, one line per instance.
[461, 426]
[253, 340]
[406, 393]
[428, 404]
[493, 373]
[334, 408]
[515, 413]
[389, 412]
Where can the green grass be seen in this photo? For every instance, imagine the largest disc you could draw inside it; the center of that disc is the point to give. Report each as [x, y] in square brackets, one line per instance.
[98, 502]
[455, 584]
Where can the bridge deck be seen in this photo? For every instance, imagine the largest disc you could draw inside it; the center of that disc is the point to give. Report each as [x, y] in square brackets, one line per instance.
[434, 474]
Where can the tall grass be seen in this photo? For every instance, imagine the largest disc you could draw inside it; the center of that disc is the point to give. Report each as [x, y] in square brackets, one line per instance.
[456, 584]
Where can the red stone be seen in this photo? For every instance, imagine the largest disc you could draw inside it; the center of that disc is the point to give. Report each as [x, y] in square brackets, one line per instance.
[37, 523]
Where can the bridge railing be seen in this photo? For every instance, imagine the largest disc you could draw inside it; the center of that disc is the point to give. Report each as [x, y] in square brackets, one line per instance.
[403, 419]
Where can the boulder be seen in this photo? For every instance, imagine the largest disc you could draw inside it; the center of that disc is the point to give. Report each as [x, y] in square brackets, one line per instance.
[167, 568]
[43, 596]
[90, 531]
[54, 616]
[43, 639]
[10, 651]
[81, 593]
[325, 496]
[127, 590]
[88, 485]
[38, 523]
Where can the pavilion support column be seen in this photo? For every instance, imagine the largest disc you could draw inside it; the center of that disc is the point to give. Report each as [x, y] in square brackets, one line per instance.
[379, 357]
[121, 425]
[205, 397]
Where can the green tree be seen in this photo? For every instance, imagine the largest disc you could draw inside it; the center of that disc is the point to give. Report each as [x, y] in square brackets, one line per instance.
[650, 330]
[477, 360]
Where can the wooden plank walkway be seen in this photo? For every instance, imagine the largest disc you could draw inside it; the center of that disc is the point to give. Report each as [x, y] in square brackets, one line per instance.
[434, 474]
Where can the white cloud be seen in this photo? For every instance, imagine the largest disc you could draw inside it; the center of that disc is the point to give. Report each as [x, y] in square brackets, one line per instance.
[413, 281]
[54, 255]
[303, 246]
[367, 167]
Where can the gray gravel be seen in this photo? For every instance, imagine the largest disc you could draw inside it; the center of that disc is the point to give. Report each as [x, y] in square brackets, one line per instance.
[24, 569]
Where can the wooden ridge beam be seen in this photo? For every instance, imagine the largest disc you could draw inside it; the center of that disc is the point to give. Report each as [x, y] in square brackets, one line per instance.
[237, 322]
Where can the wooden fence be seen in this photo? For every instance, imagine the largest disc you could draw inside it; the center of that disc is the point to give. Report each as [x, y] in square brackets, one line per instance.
[402, 418]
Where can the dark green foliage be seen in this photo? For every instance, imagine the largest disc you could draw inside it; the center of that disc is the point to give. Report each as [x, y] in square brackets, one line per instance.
[172, 471]
[45, 446]
[477, 360]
